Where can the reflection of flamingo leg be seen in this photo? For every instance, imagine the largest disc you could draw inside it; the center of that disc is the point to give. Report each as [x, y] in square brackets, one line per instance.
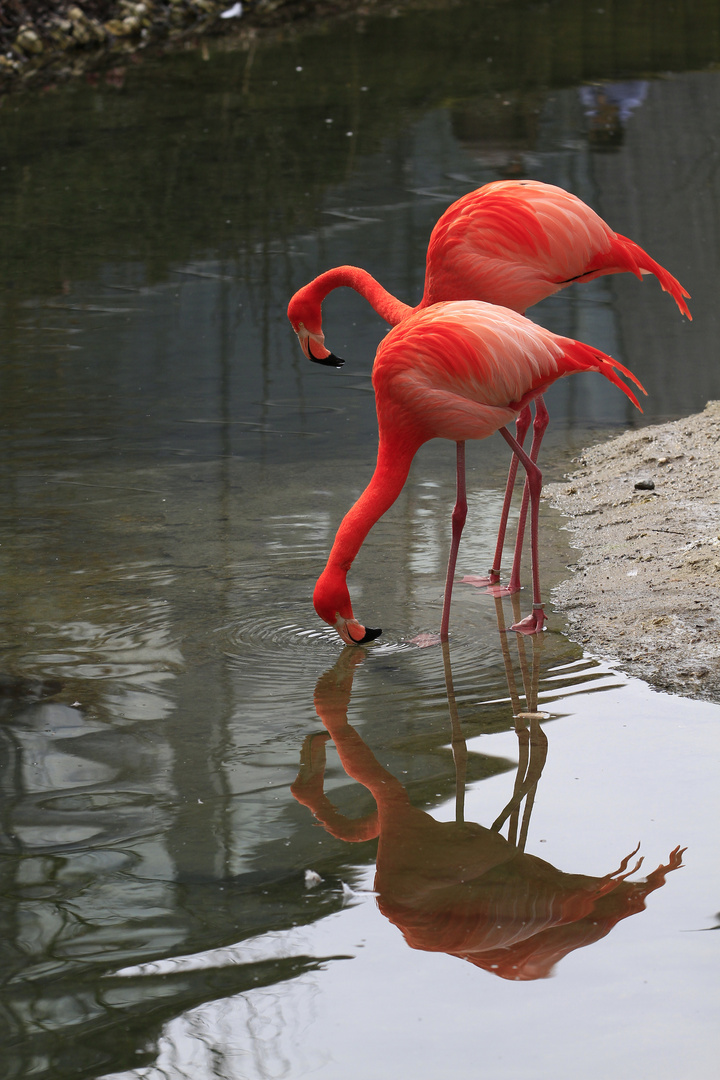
[532, 744]
[533, 690]
[507, 661]
[530, 676]
[522, 655]
[523, 737]
[533, 754]
[538, 756]
[459, 746]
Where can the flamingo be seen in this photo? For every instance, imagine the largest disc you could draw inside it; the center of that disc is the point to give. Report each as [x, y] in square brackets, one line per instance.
[458, 371]
[510, 243]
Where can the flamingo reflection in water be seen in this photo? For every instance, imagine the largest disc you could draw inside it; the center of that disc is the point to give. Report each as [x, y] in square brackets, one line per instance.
[459, 887]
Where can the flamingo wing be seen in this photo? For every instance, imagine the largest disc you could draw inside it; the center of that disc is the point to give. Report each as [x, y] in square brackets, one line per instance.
[515, 242]
[463, 370]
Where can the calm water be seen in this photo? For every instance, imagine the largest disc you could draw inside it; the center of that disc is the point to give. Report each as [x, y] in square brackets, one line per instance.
[171, 477]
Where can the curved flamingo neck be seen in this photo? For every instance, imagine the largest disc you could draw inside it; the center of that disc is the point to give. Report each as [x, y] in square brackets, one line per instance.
[395, 455]
[353, 277]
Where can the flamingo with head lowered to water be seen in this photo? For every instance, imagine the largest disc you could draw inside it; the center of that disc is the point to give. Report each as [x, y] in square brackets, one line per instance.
[454, 371]
[510, 243]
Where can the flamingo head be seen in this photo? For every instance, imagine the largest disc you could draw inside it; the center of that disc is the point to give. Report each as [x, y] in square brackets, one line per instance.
[332, 603]
[354, 633]
[306, 321]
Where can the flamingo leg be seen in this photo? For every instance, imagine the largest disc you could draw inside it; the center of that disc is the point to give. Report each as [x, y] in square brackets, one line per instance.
[534, 623]
[542, 419]
[459, 515]
[522, 423]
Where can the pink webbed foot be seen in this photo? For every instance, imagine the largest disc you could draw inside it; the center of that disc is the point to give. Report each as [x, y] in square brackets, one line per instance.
[425, 640]
[531, 624]
[492, 578]
[491, 584]
[504, 590]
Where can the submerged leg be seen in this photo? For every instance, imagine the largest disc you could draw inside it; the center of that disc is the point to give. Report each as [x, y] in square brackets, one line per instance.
[534, 623]
[459, 515]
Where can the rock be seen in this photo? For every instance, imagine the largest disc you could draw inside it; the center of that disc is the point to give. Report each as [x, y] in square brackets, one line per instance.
[62, 39]
[85, 31]
[9, 65]
[28, 42]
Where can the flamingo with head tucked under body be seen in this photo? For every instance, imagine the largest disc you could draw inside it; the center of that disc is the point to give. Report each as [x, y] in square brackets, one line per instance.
[453, 371]
[510, 243]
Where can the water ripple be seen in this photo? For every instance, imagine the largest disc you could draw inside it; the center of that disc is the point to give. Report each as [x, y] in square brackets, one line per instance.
[243, 638]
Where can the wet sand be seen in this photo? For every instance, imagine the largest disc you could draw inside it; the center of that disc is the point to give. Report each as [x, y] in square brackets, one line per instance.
[645, 590]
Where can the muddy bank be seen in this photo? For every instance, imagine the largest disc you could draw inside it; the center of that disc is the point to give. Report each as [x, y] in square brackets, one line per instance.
[644, 510]
[65, 38]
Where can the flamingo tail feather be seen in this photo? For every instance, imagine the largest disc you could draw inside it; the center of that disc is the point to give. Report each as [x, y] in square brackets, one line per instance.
[630, 256]
[585, 358]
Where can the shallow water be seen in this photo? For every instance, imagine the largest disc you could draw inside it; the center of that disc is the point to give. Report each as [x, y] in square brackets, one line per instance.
[171, 477]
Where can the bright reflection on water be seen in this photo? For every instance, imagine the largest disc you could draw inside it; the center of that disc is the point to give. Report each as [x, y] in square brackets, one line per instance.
[172, 474]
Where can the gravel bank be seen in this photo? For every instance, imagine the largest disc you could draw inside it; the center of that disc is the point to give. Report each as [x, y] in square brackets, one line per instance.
[644, 510]
[60, 39]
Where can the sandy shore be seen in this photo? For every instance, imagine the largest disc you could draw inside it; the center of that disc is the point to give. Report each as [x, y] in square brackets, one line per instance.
[644, 510]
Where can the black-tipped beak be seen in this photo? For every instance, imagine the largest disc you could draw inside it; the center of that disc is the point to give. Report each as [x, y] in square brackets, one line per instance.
[370, 635]
[331, 360]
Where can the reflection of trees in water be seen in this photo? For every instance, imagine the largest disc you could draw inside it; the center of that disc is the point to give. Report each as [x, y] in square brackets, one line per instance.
[254, 155]
[93, 875]
[205, 1043]
[458, 887]
[500, 130]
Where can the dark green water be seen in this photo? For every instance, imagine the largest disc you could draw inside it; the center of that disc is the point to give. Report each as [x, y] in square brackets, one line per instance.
[172, 472]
